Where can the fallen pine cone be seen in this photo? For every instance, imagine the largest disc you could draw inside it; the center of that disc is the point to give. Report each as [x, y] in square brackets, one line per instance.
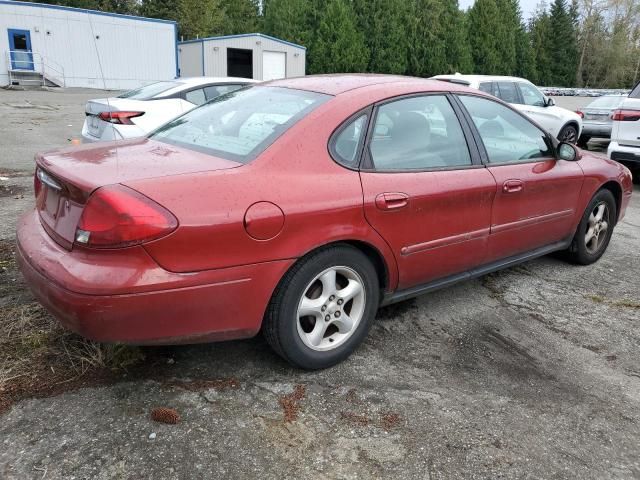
[165, 415]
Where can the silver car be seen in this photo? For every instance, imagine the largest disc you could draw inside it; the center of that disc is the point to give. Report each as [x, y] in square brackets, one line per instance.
[596, 117]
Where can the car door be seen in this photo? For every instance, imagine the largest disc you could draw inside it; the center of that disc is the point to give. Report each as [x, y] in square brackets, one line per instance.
[537, 194]
[425, 191]
[534, 105]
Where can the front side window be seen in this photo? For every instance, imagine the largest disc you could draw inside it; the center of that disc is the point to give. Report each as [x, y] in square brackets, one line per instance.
[507, 136]
[507, 92]
[149, 91]
[418, 133]
[531, 95]
[240, 125]
[348, 140]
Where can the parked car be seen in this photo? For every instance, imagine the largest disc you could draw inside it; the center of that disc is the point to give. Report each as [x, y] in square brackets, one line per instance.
[137, 112]
[625, 133]
[596, 117]
[299, 207]
[563, 124]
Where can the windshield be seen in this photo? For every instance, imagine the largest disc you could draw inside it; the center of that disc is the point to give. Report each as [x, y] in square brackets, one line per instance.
[242, 124]
[607, 101]
[149, 91]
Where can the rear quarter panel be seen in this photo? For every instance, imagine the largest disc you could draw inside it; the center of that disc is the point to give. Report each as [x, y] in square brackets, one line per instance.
[321, 202]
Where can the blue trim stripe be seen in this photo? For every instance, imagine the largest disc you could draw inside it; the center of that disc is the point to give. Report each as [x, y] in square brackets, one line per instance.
[84, 10]
[261, 35]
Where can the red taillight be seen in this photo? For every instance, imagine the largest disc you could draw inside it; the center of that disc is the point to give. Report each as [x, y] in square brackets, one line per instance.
[119, 118]
[580, 113]
[37, 183]
[117, 216]
[622, 115]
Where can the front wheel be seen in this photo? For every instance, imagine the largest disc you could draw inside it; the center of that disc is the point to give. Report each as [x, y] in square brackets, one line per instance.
[595, 229]
[568, 134]
[323, 307]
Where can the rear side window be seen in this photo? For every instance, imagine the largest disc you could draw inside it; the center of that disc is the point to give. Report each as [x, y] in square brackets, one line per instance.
[418, 133]
[195, 96]
[347, 143]
[635, 93]
[507, 92]
[149, 91]
[486, 87]
[507, 136]
[240, 125]
[214, 91]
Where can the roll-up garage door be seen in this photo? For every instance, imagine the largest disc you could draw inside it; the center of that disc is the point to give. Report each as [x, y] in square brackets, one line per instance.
[274, 65]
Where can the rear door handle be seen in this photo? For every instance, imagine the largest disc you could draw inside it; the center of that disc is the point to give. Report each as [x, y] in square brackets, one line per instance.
[513, 186]
[392, 201]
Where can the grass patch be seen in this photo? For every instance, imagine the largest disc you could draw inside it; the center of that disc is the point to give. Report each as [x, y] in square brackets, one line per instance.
[622, 303]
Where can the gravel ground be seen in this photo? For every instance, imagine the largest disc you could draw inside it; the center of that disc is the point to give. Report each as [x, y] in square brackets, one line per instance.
[531, 372]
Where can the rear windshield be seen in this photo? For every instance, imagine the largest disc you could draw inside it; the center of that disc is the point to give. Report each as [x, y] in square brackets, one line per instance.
[149, 91]
[607, 101]
[242, 124]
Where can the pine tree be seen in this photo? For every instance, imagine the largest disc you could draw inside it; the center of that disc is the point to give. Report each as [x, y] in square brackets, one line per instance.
[289, 20]
[539, 28]
[240, 16]
[506, 31]
[383, 22]
[200, 18]
[338, 46]
[484, 23]
[563, 47]
[166, 9]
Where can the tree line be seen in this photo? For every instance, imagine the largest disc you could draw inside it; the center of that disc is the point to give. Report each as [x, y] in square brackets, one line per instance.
[585, 43]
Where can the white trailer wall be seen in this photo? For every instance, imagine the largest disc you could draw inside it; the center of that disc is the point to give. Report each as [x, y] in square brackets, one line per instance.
[95, 49]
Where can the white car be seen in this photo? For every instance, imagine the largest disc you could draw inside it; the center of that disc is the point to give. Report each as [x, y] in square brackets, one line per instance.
[563, 124]
[625, 133]
[138, 112]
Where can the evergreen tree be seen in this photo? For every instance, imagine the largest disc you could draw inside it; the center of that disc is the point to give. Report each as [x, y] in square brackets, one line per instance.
[563, 48]
[166, 9]
[539, 27]
[525, 57]
[289, 20]
[338, 46]
[240, 16]
[383, 22]
[200, 18]
[506, 32]
[484, 23]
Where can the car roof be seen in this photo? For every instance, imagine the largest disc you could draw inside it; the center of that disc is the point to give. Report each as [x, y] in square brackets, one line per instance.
[337, 84]
[480, 78]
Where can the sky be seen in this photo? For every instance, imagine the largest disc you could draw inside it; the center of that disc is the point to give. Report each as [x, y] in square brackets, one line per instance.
[527, 6]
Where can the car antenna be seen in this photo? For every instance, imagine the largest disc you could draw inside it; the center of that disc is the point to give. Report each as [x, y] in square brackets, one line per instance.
[104, 82]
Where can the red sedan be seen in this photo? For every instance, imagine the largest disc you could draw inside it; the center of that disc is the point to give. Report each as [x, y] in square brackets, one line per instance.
[299, 207]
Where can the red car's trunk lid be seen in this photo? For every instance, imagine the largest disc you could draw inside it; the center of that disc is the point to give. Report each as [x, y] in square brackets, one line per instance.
[70, 175]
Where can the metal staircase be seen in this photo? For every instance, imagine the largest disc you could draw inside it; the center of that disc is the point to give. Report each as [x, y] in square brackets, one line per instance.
[34, 70]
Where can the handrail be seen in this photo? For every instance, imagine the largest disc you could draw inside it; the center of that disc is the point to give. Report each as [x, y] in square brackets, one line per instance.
[49, 69]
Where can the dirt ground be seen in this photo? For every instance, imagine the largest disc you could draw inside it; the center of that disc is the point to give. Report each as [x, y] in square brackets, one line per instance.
[532, 372]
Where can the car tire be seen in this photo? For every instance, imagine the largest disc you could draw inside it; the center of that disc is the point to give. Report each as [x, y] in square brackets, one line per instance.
[568, 134]
[592, 238]
[330, 298]
[582, 142]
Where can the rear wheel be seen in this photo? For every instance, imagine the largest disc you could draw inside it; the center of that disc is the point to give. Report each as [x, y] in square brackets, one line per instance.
[323, 308]
[568, 134]
[595, 229]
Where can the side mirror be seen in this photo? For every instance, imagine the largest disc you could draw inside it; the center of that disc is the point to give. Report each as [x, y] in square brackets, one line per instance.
[550, 102]
[568, 152]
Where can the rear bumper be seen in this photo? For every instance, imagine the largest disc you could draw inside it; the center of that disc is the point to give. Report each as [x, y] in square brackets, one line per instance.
[596, 130]
[111, 133]
[124, 296]
[624, 154]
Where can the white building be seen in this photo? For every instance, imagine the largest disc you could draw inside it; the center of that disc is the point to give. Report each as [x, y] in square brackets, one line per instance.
[75, 47]
[251, 55]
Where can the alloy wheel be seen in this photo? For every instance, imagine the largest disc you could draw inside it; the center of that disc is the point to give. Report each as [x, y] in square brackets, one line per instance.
[331, 308]
[597, 227]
